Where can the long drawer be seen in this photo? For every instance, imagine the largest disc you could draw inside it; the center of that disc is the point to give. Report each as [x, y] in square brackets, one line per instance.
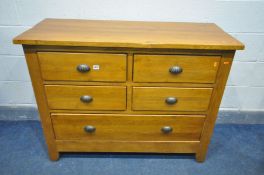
[128, 127]
[171, 98]
[86, 97]
[82, 66]
[175, 68]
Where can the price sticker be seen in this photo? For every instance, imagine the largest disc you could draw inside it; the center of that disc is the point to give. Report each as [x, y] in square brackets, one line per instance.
[96, 67]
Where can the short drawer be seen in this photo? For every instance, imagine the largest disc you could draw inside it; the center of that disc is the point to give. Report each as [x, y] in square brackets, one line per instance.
[82, 66]
[171, 98]
[86, 97]
[128, 127]
[175, 68]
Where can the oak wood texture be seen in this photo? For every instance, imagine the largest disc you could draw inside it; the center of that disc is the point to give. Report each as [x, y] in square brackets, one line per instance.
[68, 97]
[127, 127]
[222, 77]
[188, 99]
[155, 68]
[132, 34]
[128, 146]
[122, 50]
[37, 83]
[63, 66]
[129, 93]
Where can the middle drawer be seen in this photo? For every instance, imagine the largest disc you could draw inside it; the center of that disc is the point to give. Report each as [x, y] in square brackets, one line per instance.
[86, 97]
[171, 98]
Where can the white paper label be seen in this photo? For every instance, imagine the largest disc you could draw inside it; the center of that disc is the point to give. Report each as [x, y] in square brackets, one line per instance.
[96, 67]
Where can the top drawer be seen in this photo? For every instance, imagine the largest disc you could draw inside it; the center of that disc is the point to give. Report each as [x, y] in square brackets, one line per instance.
[175, 68]
[82, 66]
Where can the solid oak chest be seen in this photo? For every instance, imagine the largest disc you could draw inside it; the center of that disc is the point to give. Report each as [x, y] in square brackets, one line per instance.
[117, 86]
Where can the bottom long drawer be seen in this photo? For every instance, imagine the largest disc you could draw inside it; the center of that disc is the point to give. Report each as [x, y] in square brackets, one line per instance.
[98, 127]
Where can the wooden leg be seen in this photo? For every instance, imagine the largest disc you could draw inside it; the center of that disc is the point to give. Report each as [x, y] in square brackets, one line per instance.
[54, 155]
[38, 86]
[200, 156]
[218, 91]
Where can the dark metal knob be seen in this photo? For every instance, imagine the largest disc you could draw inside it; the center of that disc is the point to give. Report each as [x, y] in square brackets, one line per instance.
[89, 129]
[175, 70]
[83, 68]
[86, 98]
[166, 129]
[171, 100]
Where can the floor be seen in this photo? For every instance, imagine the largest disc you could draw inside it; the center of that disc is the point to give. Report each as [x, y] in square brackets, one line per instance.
[235, 150]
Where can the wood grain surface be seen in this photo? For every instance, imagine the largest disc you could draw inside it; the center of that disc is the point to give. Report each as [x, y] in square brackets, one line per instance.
[44, 113]
[188, 99]
[195, 69]
[68, 97]
[127, 146]
[63, 66]
[127, 127]
[133, 34]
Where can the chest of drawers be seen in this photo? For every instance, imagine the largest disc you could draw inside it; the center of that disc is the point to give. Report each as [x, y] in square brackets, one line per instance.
[116, 86]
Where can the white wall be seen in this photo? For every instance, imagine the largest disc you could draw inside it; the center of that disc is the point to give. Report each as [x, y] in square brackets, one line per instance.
[242, 19]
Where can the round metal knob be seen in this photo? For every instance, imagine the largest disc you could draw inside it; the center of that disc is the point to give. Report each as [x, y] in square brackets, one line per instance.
[171, 100]
[175, 70]
[83, 68]
[166, 129]
[86, 98]
[89, 129]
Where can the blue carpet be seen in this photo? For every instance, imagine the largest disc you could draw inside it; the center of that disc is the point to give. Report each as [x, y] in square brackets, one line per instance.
[234, 150]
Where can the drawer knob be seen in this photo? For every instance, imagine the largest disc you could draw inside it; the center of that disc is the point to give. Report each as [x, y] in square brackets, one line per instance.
[86, 98]
[171, 100]
[89, 129]
[166, 129]
[83, 68]
[175, 70]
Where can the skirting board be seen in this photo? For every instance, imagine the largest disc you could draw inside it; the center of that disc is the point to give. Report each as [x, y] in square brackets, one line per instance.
[224, 116]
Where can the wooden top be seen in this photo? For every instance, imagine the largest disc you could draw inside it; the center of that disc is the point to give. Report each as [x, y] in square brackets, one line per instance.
[133, 34]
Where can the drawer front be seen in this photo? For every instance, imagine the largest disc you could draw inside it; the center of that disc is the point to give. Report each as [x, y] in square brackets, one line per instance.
[171, 99]
[127, 128]
[86, 97]
[82, 66]
[175, 68]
